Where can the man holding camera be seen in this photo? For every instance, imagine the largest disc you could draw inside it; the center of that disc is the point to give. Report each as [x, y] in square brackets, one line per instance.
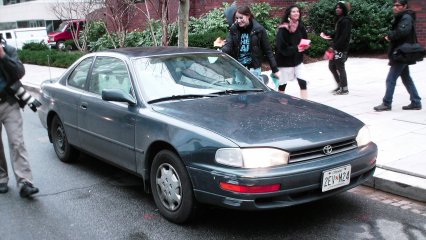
[11, 70]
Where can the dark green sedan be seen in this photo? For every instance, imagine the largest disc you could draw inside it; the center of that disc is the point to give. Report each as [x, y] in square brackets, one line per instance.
[198, 127]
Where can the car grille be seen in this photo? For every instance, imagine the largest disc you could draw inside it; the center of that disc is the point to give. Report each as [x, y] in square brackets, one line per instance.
[308, 154]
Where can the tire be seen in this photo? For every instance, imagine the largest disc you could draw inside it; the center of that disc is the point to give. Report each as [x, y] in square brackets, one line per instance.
[171, 188]
[64, 151]
[60, 45]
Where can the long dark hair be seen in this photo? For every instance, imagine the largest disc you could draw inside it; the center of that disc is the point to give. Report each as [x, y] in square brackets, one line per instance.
[244, 10]
[287, 13]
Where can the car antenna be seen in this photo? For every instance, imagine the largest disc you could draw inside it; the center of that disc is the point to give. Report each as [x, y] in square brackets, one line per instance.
[48, 63]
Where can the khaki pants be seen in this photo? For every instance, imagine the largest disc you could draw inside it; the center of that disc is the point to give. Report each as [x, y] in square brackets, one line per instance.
[11, 119]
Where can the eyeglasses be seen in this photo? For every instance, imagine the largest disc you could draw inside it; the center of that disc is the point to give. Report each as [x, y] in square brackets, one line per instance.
[397, 5]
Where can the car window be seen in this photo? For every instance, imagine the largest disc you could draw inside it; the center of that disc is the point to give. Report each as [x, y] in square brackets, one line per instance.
[167, 76]
[78, 77]
[109, 73]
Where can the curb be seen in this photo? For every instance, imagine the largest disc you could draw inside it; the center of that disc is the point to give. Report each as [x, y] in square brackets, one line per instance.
[398, 183]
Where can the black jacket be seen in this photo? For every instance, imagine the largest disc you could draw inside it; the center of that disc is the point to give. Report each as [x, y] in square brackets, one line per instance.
[259, 45]
[11, 70]
[402, 31]
[287, 52]
[342, 34]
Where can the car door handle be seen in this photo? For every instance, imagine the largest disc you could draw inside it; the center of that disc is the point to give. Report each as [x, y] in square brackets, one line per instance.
[83, 106]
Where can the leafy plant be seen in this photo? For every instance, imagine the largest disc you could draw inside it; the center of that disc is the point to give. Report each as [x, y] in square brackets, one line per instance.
[49, 57]
[205, 39]
[36, 46]
[318, 45]
[371, 19]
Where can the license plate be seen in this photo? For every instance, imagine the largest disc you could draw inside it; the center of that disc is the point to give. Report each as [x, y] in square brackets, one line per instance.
[336, 177]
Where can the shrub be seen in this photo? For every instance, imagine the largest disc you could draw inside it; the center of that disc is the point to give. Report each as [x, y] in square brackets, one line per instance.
[35, 46]
[371, 19]
[215, 22]
[49, 57]
[318, 45]
[69, 45]
[205, 39]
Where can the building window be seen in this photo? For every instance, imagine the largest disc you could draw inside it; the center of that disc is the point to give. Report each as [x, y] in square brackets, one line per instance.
[8, 2]
[31, 23]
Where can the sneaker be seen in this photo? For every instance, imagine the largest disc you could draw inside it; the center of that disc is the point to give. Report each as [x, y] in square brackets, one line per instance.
[4, 188]
[412, 107]
[27, 189]
[382, 107]
[341, 92]
[335, 90]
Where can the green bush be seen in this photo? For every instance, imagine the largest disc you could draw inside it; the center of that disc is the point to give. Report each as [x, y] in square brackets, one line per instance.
[36, 46]
[371, 19]
[96, 30]
[205, 39]
[318, 45]
[70, 45]
[49, 57]
[212, 21]
[215, 22]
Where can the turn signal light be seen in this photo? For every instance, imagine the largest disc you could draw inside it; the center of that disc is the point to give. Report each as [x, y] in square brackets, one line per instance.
[250, 189]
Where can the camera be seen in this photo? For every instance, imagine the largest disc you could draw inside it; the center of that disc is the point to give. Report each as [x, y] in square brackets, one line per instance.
[18, 91]
[23, 97]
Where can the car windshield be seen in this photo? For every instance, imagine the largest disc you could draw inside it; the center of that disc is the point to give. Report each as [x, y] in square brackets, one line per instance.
[61, 27]
[202, 74]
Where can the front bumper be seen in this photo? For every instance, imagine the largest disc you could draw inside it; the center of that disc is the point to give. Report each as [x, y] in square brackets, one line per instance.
[300, 182]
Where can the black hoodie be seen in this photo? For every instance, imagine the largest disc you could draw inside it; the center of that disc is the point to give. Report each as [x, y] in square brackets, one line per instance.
[342, 34]
[402, 31]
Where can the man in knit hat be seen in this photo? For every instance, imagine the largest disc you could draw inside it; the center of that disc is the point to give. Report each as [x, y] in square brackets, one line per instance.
[340, 46]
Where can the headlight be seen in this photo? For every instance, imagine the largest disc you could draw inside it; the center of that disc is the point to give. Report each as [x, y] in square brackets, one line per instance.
[251, 157]
[363, 137]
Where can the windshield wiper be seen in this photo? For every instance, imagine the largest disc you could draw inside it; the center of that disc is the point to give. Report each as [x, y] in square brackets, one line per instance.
[234, 91]
[178, 97]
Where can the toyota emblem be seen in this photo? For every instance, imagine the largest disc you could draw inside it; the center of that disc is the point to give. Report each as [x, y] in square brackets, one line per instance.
[327, 150]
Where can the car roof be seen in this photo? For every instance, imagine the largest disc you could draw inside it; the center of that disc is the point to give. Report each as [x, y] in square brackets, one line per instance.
[155, 51]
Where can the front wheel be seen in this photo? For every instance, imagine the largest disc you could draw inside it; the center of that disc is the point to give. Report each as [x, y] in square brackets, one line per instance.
[171, 187]
[64, 151]
[60, 45]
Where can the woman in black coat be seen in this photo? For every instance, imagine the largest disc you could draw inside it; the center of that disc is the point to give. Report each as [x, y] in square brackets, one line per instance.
[289, 50]
[247, 42]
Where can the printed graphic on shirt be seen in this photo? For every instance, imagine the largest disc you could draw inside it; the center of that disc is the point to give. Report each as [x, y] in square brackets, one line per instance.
[245, 55]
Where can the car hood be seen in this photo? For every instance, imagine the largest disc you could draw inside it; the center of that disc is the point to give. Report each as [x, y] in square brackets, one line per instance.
[53, 34]
[265, 119]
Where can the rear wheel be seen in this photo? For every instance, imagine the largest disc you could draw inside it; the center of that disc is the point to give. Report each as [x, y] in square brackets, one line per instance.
[64, 151]
[171, 187]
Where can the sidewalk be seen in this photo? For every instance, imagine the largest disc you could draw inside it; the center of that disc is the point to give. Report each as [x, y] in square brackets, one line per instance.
[400, 135]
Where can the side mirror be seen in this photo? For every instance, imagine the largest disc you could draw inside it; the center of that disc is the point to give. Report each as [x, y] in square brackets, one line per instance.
[117, 95]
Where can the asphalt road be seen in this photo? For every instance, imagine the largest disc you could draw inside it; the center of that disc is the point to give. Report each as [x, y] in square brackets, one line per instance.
[90, 199]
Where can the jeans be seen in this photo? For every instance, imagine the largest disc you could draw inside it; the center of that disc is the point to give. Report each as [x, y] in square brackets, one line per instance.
[400, 70]
[337, 68]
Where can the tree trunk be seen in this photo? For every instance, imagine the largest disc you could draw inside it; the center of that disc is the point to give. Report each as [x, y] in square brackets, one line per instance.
[164, 23]
[183, 23]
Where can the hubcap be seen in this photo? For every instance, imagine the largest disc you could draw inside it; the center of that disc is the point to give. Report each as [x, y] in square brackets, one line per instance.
[169, 187]
[60, 142]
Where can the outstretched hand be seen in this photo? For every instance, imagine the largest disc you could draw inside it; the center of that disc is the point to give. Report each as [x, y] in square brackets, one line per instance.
[325, 36]
[219, 42]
